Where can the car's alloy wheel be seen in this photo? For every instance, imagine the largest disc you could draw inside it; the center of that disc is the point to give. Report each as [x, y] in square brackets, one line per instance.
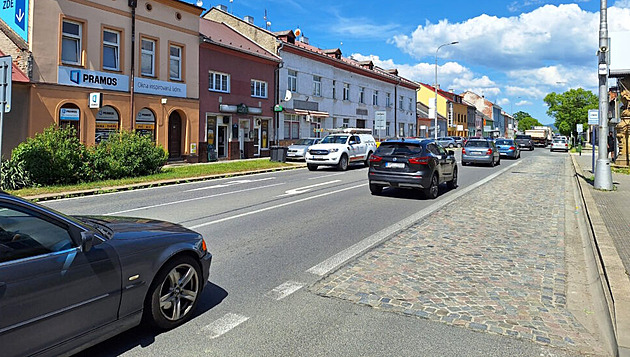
[376, 189]
[432, 191]
[343, 163]
[453, 183]
[175, 293]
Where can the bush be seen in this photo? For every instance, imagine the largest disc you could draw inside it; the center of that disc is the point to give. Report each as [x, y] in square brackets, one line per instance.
[127, 154]
[14, 175]
[55, 156]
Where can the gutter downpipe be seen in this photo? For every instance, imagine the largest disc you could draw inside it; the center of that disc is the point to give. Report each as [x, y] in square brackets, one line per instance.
[396, 107]
[133, 4]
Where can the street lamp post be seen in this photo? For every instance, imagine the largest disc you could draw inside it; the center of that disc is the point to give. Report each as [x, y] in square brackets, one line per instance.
[436, 85]
[603, 174]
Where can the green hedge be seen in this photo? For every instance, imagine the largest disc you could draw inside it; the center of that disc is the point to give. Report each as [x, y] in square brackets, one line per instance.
[57, 157]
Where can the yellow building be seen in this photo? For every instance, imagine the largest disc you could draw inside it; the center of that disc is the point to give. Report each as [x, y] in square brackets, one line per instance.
[449, 106]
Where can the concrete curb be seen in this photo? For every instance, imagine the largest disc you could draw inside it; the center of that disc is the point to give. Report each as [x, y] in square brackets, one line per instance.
[95, 191]
[615, 281]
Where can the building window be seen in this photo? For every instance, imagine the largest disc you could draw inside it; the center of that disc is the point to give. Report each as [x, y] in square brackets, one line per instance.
[111, 50]
[291, 126]
[346, 123]
[317, 86]
[346, 91]
[401, 102]
[69, 116]
[411, 132]
[175, 64]
[219, 82]
[292, 81]
[387, 131]
[388, 100]
[71, 42]
[259, 89]
[148, 58]
[362, 95]
[410, 104]
[401, 129]
[375, 98]
[334, 90]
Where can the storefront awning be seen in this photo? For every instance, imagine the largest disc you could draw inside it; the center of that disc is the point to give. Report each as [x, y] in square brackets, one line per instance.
[312, 113]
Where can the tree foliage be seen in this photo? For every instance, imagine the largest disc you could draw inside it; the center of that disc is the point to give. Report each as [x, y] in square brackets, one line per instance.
[525, 121]
[570, 108]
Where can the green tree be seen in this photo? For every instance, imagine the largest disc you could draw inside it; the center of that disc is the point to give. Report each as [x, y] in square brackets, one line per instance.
[570, 108]
[525, 121]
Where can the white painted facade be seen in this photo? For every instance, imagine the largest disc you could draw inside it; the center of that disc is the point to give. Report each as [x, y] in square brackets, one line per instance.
[335, 112]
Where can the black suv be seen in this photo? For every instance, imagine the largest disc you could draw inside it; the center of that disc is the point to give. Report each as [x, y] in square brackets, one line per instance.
[524, 141]
[415, 164]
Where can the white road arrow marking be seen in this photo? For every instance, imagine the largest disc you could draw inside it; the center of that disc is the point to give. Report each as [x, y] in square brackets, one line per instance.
[230, 183]
[296, 191]
[20, 15]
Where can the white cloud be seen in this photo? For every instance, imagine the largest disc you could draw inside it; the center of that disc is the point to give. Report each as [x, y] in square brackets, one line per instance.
[548, 34]
[523, 103]
[503, 102]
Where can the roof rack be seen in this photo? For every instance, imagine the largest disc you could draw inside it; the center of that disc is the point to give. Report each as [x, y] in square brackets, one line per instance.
[349, 131]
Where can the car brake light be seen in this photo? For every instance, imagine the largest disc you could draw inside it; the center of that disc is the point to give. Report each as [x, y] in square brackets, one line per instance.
[419, 160]
[489, 152]
[375, 158]
[203, 245]
[512, 148]
[463, 150]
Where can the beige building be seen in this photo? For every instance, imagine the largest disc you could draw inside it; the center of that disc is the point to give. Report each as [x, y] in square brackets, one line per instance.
[82, 50]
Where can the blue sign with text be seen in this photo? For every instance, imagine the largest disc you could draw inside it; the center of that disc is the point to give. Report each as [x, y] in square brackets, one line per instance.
[14, 13]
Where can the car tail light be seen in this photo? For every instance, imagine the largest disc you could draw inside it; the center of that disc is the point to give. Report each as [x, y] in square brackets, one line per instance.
[375, 158]
[489, 152]
[419, 160]
[512, 148]
[203, 245]
[463, 150]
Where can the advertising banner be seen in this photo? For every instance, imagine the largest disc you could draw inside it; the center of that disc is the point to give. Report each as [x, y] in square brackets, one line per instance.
[155, 87]
[92, 79]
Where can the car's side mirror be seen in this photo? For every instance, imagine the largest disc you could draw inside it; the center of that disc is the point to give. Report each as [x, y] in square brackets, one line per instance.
[87, 241]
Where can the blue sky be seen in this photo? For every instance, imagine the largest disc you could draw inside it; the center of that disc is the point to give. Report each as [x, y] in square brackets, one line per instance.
[513, 52]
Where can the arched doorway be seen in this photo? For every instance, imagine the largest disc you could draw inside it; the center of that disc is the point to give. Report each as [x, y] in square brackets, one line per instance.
[69, 116]
[174, 135]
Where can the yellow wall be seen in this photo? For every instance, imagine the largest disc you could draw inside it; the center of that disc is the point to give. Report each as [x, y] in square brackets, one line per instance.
[424, 94]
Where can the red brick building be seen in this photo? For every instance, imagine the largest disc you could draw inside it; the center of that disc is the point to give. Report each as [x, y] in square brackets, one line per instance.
[236, 99]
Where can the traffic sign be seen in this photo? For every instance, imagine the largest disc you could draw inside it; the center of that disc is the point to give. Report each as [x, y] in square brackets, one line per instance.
[14, 13]
[6, 69]
[580, 128]
[593, 117]
[380, 120]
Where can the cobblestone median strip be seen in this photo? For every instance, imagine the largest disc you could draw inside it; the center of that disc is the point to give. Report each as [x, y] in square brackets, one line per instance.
[493, 261]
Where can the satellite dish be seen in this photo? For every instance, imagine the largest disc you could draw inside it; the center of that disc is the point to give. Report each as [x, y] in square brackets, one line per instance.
[288, 95]
[297, 32]
[199, 3]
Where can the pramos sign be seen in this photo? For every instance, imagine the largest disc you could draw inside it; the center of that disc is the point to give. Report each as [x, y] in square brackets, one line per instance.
[92, 79]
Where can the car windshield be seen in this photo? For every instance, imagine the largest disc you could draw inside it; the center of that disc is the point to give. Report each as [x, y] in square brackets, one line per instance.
[504, 142]
[477, 143]
[334, 139]
[304, 142]
[398, 149]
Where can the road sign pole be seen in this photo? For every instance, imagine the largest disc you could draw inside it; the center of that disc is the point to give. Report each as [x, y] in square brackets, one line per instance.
[603, 173]
[593, 134]
[3, 99]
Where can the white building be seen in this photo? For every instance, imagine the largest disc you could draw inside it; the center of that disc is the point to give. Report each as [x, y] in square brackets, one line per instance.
[330, 91]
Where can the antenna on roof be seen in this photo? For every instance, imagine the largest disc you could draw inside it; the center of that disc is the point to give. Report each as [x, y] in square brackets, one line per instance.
[267, 22]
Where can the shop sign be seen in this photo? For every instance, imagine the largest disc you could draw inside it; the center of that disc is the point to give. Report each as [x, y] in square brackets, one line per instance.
[69, 114]
[155, 87]
[106, 125]
[242, 109]
[145, 115]
[460, 128]
[14, 13]
[92, 79]
[107, 113]
[145, 126]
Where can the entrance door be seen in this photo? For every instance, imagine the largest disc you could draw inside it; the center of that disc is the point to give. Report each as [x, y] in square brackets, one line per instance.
[256, 140]
[174, 135]
[222, 141]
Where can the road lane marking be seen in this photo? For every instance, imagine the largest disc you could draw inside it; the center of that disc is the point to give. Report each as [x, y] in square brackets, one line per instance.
[230, 183]
[296, 191]
[223, 325]
[192, 199]
[326, 176]
[274, 207]
[284, 290]
[342, 257]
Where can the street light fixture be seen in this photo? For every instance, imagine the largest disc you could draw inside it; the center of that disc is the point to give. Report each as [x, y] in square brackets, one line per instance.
[436, 84]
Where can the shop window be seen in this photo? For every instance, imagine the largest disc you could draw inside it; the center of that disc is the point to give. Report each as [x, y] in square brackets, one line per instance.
[107, 122]
[69, 116]
[111, 50]
[145, 123]
[71, 47]
[291, 126]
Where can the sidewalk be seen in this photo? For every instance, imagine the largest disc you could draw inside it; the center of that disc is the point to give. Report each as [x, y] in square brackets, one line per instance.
[493, 261]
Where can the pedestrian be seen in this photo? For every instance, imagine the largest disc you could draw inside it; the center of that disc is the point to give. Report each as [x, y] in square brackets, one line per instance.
[611, 145]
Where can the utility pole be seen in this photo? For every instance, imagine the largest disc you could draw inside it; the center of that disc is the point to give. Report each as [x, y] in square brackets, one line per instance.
[603, 175]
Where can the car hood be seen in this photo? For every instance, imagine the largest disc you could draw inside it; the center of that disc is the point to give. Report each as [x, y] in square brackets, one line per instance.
[326, 146]
[135, 228]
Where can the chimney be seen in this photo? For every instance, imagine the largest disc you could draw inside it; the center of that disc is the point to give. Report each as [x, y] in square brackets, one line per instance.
[222, 8]
[304, 40]
[249, 19]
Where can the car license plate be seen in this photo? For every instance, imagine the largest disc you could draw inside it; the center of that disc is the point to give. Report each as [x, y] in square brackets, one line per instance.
[475, 153]
[395, 165]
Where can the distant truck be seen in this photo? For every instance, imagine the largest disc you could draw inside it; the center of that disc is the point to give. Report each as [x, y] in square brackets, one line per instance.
[541, 135]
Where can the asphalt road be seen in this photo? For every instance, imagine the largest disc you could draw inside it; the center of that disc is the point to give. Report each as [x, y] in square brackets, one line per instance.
[272, 235]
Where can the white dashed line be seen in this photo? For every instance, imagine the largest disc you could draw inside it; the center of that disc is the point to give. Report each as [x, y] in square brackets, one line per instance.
[285, 290]
[223, 325]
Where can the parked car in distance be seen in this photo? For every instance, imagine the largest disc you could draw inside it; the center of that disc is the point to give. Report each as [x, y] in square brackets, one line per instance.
[341, 149]
[508, 148]
[412, 164]
[297, 151]
[459, 141]
[447, 142]
[70, 282]
[559, 144]
[480, 151]
[524, 141]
